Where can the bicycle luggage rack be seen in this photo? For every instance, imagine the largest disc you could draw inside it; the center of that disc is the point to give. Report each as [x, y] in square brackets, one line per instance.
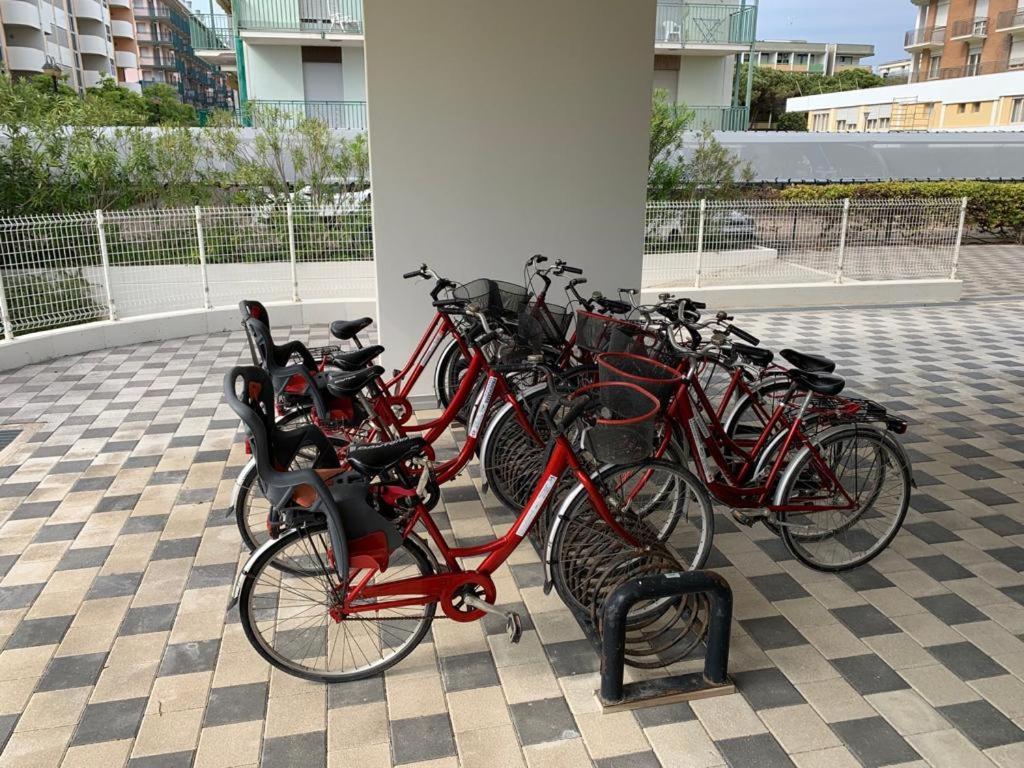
[614, 694]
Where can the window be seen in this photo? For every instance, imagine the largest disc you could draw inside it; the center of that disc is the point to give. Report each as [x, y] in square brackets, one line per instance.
[820, 121]
[801, 58]
[933, 67]
[744, 57]
[975, 106]
[973, 63]
[1017, 111]
[782, 58]
[961, 108]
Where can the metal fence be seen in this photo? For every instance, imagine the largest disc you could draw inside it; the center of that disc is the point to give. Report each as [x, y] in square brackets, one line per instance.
[765, 242]
[76, 268]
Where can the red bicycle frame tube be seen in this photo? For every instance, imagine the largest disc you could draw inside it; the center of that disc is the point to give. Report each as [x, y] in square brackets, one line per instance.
[440, 327]
[421, 590]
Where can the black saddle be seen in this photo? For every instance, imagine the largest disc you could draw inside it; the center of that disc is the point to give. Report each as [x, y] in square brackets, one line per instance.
[356, 358]
[378, 458]
[756, 355]
[348, 329]
[810, 363]
[350, 383]
[822, 383]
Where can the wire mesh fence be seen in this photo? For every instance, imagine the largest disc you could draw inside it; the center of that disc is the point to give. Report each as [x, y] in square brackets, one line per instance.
[765, 242]
[76, 268]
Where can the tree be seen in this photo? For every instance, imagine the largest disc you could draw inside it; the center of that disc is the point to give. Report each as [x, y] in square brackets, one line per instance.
[164, 107]
[772, 87]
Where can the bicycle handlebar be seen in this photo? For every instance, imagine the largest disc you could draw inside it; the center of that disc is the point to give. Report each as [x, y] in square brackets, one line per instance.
[747, 337]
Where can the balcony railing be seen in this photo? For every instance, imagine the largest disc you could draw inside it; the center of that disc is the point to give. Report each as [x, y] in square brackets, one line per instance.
[928, 37]
[817, 68]
[211, 31]
[339, 115]
[1008, 20]
[704, 24]
[970, 70]
[970, 28]
[338, 16]
[719, 118]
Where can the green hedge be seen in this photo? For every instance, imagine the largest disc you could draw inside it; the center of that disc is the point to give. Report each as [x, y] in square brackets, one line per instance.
[994, 208]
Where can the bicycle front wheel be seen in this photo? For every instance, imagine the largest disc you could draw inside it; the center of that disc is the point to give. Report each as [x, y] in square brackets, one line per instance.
[856, 461]
[654, 500]
[289, 608]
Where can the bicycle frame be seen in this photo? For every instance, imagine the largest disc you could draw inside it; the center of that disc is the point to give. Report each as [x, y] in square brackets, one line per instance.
[440, 327]
[441, 587]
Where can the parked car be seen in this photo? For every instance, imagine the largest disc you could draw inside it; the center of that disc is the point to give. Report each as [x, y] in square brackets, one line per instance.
[674, 229]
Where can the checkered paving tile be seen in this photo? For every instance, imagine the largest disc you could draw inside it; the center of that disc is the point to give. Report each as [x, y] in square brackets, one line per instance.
[116, 561]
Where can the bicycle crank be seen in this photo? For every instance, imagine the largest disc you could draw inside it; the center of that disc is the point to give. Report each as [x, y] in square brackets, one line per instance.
[513, 624]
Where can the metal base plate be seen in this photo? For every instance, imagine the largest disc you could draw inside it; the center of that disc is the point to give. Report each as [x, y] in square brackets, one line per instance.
[666, 690]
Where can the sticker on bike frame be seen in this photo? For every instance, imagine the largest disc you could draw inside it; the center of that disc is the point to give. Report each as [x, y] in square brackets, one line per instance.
[433, 345]
[537, 505]
[697, 427]
[480, 407]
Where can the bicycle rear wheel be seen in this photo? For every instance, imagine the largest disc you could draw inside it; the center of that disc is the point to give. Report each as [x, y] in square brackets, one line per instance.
[288, 606]
[656, 501]
[872, 470]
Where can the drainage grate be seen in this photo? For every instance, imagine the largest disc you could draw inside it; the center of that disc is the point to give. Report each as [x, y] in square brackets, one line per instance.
[8, 436]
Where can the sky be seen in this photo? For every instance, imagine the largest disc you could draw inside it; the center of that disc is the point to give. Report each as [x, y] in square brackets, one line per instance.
[879, 22]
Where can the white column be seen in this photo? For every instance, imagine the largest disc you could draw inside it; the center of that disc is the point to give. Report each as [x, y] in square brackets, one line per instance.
[503, 129]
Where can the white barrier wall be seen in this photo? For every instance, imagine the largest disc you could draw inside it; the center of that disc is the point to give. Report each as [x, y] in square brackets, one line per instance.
[503, 129]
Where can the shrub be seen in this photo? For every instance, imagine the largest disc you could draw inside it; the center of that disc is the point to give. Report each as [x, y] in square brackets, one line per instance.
[40, 301]
[993, 207]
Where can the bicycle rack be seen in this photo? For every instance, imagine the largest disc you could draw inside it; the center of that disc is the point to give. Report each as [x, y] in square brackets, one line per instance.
[714, 681]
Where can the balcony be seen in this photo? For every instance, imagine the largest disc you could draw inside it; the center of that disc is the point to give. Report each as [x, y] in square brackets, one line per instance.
[1010, 21]
[971, 70]
[969, 30]
[689, 25]
[120, 4]
[89, 9]
[126, 59]
[211, 32]
[121, 28]
[339, 115]
[920, 39]
[19, 13]
[91, 79]
[718, 118]
[157, 62]
[329, 17]
[22, 59]
[92, 45]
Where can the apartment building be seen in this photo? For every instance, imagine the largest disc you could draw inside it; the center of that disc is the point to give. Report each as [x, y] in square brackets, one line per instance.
[895, 70]
[87, 39]
[166, 55]
[965, 38]
[804, 56]
[306, 56]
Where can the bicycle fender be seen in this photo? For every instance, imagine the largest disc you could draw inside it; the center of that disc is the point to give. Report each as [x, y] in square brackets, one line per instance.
[237, 489]
[563, 509]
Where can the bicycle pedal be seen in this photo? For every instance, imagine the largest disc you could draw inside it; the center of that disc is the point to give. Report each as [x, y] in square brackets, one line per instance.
[513, 627]
[747, 520]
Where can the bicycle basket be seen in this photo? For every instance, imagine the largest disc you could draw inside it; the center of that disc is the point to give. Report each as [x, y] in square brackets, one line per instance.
[496, 298]
[624, 430]
[656, 378]
[554, 320]
[600, 333]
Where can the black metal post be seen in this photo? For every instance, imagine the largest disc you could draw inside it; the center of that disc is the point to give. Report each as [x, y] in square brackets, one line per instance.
[716, 660]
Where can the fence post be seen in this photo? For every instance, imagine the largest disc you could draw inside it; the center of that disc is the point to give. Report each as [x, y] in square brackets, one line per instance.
[842, 239]
[291, 251]
[105, 255]
[5, 315]
[202, 258]
[959, 238]
[700, 240]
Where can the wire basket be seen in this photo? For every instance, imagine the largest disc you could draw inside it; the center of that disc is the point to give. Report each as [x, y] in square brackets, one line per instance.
[496, 298]
[658, 379]
[601, 333]
[554, 320]
[625, 427]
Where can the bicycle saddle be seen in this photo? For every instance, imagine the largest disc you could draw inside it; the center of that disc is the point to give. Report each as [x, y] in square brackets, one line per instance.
[347, 329]
[356, 358]
[756, 355]
[377, 458]
[810, 363]
[822, 383]
[341, 383]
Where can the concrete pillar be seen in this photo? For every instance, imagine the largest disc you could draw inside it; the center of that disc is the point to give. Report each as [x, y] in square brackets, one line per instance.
[503, 129]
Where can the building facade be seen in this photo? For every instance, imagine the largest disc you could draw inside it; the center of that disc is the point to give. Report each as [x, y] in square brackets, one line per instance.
[803, 56]
[895, 70]
[166, 55]
[87, 39]
[965, 38]
[306, 57]
[983, 102]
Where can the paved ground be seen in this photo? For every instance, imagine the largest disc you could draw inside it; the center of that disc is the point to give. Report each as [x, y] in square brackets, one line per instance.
[992, 270]
[116, 564]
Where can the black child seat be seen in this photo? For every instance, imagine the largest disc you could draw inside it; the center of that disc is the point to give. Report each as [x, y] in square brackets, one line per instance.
[356, 529]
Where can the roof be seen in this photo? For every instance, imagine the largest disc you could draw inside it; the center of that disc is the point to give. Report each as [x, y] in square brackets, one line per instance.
[955, 91]
[831, 157]
[804, 46]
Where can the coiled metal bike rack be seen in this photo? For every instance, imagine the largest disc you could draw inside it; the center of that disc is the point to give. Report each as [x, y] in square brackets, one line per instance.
[713, 681]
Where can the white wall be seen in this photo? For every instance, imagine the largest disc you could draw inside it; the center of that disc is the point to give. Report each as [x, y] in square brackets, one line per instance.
[274, 72]
[474, 182]
[705, 80]
[353, 74]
